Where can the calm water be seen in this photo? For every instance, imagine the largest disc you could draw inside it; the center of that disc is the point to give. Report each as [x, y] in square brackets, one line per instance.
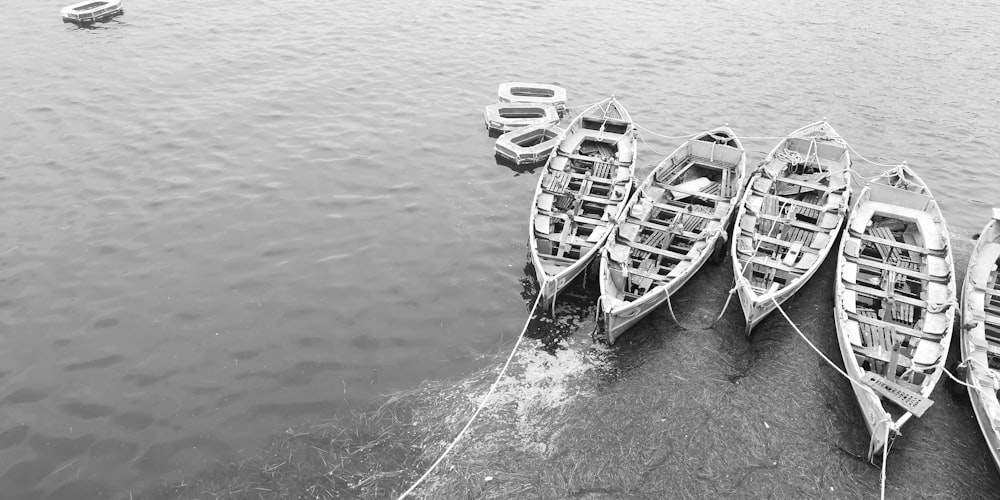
[219, 220]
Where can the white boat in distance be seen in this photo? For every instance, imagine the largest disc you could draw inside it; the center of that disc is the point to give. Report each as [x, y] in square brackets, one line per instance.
[895, 301]
[789, 217]
[670, 227]
[584, 186]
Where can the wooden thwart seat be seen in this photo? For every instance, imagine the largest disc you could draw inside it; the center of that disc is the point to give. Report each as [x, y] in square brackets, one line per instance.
[862, 319]
[904, 270]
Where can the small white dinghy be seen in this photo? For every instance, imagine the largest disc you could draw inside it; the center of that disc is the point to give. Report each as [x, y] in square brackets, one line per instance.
[670, 227]
[90, 11]
[789, 217]
[534, 93]
[526, 145]
[507, 116]
[584, 186]
[895, 301]
[981, 332]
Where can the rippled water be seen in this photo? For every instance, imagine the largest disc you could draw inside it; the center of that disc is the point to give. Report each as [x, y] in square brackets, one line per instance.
[218, 220]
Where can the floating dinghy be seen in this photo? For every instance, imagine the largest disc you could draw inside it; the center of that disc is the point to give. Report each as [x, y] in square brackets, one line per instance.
[534, 93]
[981, 332]
[526, 145]
[507, 116]
[90, 11]
[670, 227]
[895, 301]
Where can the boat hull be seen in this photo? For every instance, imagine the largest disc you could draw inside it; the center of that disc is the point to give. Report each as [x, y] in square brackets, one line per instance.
[789, 218]
[895, 301]
[976, 349]
[583, 188]
[672, 224]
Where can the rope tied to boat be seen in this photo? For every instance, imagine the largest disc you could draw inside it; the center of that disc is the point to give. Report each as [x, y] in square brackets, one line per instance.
[482, 404]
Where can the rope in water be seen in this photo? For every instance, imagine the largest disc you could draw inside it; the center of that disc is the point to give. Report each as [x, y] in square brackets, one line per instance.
[885, 450]
[482, 404]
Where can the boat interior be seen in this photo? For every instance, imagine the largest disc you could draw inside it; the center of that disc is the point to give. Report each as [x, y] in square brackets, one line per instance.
[791, 212]
[672, 213]
[987, 275]
[581, 189]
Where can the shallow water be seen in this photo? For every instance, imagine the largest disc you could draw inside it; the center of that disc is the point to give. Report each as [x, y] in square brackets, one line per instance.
[220, 223]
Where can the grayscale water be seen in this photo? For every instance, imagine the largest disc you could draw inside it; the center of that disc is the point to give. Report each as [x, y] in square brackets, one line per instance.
[218, 220]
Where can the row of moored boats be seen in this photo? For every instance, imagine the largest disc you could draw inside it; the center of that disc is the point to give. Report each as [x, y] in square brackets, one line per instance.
[895, 281]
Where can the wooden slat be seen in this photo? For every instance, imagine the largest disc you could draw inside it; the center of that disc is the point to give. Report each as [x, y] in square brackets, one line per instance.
[659, 251]
[794, 223]
[880, 355]
[661, 227]
[862, 261]
[783, 243]
[882, 294]
[897, 244]
[680, 210]
[900, 329]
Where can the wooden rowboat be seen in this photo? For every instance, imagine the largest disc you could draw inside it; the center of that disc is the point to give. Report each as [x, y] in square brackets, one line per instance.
[670, 227]
[895, 301]
[584, 187]
[981, 332]
[789, 217]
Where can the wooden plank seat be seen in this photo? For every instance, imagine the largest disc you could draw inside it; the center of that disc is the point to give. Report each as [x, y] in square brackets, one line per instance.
[809, 207]
[603, 170]
[757, 261]
[701, 161]
[654, 238]
[682, 210]
[882, 294]
[879, 341]
[794, 223]
[904, 269]
[661, 227]
[557, 182]
[785, 243]
[896, 244]
[669, 174]
[889, 253]
[899, 329]
[659, 251]
[805, 183]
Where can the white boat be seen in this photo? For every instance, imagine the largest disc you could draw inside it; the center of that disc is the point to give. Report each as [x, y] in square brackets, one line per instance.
[534, 93]
[584, 186]
[895, 301]
[90, 11]
[980, 341]
[526, 145]
[789, 217]
[507, 116]
[670, 227]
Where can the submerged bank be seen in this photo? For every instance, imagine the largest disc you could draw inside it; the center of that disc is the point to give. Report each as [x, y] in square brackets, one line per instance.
[669, 412]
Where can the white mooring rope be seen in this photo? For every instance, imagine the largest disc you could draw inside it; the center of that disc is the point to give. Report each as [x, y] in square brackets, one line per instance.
[482, 404]
[888, 426]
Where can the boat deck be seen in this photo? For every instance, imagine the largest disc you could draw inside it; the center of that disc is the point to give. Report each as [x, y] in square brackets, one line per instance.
[677, 206]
